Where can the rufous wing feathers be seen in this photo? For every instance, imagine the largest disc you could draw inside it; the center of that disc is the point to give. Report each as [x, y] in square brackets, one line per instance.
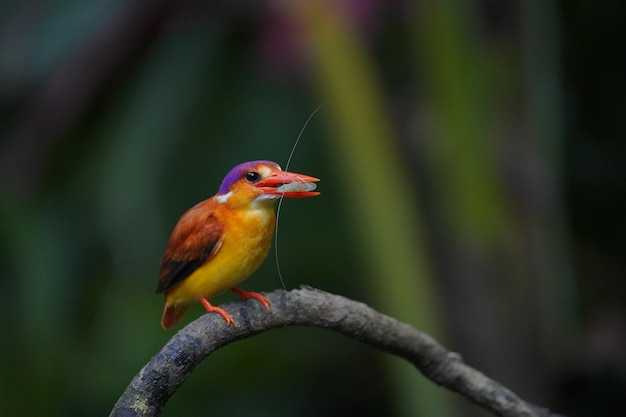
[195, 240]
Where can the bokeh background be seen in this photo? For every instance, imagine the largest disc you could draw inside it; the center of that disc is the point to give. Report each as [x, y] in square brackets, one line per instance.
[472, 159]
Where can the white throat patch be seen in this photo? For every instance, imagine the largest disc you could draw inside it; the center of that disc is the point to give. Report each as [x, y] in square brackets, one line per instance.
[223, 199]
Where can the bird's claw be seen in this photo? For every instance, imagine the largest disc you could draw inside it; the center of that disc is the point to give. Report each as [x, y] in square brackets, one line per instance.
[212, 309]
[265, 302]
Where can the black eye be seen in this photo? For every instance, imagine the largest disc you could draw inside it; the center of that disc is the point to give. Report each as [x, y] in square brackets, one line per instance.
[252, 177]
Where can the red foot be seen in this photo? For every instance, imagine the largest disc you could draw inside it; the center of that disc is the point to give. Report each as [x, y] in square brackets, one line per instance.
[249, 294]
[212, 309]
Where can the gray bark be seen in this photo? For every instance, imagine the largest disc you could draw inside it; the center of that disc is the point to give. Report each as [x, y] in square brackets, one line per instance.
[152, 387]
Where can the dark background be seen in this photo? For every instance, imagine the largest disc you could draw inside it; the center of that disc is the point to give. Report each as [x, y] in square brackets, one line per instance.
[472, 159]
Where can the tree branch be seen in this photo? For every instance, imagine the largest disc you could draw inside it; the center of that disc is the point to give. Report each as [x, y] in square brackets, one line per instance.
[152, 387]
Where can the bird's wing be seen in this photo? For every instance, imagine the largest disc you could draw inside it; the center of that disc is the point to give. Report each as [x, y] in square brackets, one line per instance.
[195, 240]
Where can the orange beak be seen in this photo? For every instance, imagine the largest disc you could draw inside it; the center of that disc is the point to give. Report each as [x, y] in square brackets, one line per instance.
[289, 184]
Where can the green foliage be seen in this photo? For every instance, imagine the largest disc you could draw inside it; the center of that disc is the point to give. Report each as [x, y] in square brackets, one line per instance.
[446, 186]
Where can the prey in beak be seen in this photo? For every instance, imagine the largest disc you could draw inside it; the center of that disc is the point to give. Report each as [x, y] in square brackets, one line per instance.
[288, 184]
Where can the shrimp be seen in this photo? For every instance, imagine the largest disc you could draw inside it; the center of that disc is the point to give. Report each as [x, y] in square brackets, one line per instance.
[297, 186]
[293, 186]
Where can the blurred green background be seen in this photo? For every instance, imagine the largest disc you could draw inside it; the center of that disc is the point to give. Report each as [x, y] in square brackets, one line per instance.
[472, 159]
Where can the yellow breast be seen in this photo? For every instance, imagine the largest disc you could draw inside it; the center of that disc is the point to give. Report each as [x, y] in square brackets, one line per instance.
[245, 244]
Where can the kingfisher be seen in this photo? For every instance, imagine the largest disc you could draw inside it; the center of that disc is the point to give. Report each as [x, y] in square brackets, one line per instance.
[221, 241]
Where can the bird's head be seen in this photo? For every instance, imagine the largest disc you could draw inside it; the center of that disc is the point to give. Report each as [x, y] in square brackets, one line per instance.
[263, 181]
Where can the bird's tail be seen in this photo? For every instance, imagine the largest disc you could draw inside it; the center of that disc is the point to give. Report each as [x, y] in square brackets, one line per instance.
[172, 313]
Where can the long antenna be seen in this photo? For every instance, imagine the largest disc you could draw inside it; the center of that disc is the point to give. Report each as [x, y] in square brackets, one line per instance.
[280, 201]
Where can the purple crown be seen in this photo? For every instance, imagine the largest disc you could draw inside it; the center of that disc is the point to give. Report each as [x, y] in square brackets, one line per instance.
[239, 171]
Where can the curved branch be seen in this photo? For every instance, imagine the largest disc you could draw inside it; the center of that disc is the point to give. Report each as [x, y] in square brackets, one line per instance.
[152, 387]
